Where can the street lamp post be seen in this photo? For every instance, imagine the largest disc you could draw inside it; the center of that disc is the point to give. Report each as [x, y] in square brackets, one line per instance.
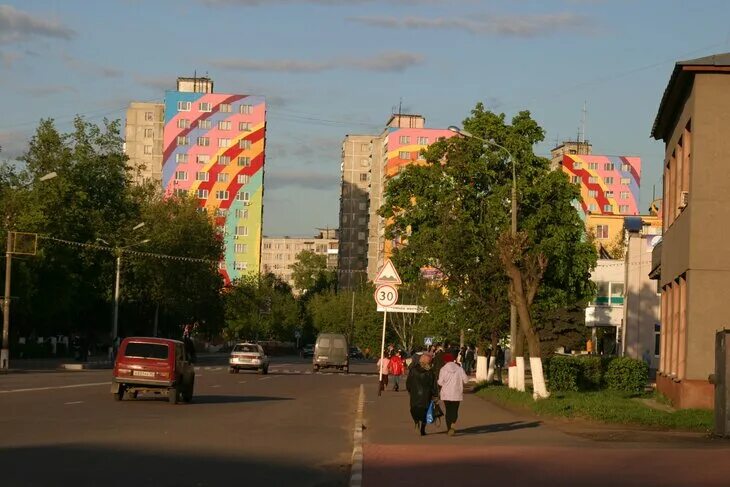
[513, 308]
[5, 352]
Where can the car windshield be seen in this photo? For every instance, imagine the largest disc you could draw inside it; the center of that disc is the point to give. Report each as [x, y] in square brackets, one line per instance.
[146, 350]
[246, 348]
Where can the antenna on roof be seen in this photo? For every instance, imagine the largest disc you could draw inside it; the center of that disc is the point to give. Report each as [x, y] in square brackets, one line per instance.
[584, 121]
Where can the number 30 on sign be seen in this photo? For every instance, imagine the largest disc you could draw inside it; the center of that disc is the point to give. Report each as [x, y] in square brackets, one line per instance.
[386, 295]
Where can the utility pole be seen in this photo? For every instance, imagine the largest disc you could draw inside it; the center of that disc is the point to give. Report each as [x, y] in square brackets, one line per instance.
[5, 354]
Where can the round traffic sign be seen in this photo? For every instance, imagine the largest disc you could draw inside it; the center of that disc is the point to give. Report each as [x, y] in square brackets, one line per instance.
[386, 295]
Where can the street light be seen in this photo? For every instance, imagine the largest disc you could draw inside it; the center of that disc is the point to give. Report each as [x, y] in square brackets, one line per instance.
[513, 308]
[5, 352]
[118, 253]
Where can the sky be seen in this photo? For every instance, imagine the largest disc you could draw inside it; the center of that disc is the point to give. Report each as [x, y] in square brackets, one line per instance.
[334, 67]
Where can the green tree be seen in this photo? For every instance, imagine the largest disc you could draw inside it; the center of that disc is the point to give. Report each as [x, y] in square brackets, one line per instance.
[310, 273]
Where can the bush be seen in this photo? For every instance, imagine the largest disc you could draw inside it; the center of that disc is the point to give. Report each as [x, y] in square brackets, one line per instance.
[592, 369]
[627, 375]
[563, 373]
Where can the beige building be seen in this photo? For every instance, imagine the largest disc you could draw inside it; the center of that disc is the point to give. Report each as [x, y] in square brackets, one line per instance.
[571, 147]
[694, 274]
[280, 253]
[143, 135]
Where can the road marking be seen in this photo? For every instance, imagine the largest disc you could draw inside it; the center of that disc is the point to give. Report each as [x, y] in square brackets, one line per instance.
[241, 381]
[217, 385]
[357, 456]
[265, 378]
[73, 386]
[309, 372]
[72, 402]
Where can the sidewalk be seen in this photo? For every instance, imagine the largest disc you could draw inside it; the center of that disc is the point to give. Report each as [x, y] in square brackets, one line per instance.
[495, 445]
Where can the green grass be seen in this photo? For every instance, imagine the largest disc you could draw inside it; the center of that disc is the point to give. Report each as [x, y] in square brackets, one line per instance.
[604, 406]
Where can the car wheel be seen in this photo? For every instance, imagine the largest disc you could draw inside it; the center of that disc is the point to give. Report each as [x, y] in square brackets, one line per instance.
[173, 395]
[316, 368]
[119, 395]
[131, 394]
[266, 370]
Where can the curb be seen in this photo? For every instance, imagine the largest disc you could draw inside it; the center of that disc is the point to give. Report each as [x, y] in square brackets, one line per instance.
[357, 454]
[85, 366]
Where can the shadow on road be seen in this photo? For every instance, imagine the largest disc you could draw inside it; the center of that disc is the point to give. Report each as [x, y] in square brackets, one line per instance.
[499, 427]
[235, 399]
[94, 465]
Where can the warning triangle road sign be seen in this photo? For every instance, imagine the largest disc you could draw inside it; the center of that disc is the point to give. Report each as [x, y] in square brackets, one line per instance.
[388, 274]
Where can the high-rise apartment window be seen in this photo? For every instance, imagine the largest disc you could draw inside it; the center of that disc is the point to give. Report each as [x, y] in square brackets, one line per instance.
[148, 149]
[204, 106]
[244, 126]
[602, 231]
[625, 167]
[404, 139]
[223, 142]
[623, 208]
[182, 140]
[181, 175]
[203, 141]
[244, 144]
[224, 160]
[240, 266]
[592, 193]
[241, 248]
[244, 196]
[609, 166]
[148, 133]
[222, 177]
[181, 158]
[242, 231]
[243, 178]
[363, 176]
[593, 166]
[608, 180]
[361, 235]
[362, 220]
[183, 106]
[575, 179]
[364, 147]
[242, 214]
[244, 161]
[201, 176]
[421, 156]
[609, 194]
[608, 208]
[183, 123]
[224, 107]
[625, 181]
[148, 117]
[422, 141]
[624, 195]
[592, 180]
[203, 158]
[180, 192]
[363, 206]
[221, 212]
[593, 208]
[246, 109]
[577, 165]
[404, 155]
[224, 124]
[365, 162]
[202, 194]
[221, 195]
[204, 124]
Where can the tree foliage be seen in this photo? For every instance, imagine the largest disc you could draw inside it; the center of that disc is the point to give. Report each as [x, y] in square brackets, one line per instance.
[310, 273]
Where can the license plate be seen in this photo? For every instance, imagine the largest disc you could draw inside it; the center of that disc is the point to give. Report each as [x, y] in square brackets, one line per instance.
[142, 373]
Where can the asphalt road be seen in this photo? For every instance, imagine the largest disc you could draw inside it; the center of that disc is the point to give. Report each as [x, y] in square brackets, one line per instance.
[290, 427]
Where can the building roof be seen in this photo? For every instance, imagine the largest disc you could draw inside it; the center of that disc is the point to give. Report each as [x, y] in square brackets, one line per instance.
[679, 87]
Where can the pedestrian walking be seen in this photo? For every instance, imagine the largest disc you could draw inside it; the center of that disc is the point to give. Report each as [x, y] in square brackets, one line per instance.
[469, 359]
[499, 363]
[383, 371]
[452, 379]
[395, 367]
[421, 386]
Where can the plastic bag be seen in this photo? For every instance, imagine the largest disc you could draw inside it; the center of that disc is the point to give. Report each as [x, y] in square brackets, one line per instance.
[429, 413]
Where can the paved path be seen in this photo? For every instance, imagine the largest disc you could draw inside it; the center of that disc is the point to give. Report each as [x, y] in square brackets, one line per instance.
[495, 445]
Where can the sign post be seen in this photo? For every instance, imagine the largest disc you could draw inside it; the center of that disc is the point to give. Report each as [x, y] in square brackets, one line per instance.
[386, 295]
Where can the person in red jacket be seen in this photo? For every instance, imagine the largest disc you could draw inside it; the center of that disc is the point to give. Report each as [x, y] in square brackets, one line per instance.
[396, 368]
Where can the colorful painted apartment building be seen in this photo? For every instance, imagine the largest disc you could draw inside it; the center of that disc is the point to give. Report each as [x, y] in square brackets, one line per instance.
[609, 189]
[214, 149]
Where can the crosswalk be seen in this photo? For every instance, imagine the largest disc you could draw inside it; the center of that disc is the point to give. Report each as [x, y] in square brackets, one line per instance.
[276, 370]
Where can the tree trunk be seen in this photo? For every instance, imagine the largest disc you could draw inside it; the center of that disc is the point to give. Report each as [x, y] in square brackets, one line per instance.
[492, 359]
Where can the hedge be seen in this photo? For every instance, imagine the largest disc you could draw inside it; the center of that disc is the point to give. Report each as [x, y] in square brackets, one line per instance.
[592, 372]
[627, 375]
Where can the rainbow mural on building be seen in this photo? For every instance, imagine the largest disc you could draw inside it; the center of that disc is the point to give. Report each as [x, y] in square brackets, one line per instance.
[609, 185]
[214, 149]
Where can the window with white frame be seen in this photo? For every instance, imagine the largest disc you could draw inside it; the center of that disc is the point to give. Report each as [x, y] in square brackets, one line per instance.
[224, 107]
[242, 231]
[183, 123]
[223, 143]
[202, 194]
[241, 248]
[422, 141]
[243, 178]
[609, 294]
[221, 212]
[577, 165]
[245, 109]
[224, 125]
[592, 193]
[244, 126]
[203, 141]
[625, 181]
[242, 214]
[224, 160]
[592, 180]
[421, 156]
[204, 124]
[182, 140]
[148, 116]
[221, 195]
[204, 106]
[244, 196]
[593, 208]
[404, 139]
[609, 194]
[244, 144]
[203, 158]
[602, 231]
[181, 158]
[244, 161]
[222, 177]
[608, 208]
[148, 149]
[608, 180]
[575, 179]
[593, 166]
[625, 167]
[240, 266]
[404, 155]
[623, 208]
[183, 106]
[201, 176]
[624, 195]
[609, 166]
[181, 175]
[180, 192]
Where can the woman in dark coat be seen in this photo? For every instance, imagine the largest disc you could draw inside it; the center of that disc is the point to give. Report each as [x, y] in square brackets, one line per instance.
[421, 385]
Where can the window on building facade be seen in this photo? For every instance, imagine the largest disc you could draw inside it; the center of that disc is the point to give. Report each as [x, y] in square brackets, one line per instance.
[577, 165]
[183, 123]
[224, 107]
[148, 149]
[181, 175]
[365, 162]
[593, 208]
[243, 196]
[242, 214]
[243, 178]
[204, 106]
[609, 166]
[625, 167]
[609, 194]
[148, 117]
[624, 195]
[625, 181]
[592, 180]
[182, 140]
[364, 147]
[421, 156]
[575, 179]
[244, 126]
[657, 338]
[363, 206]
[244, 161]
[221, 212]
[608, 208]
[363, 176]
[404, 139]
[221, 195]
[246, 109]
[244, 144]
[224, 160]
[224, 125]
[183, 106]
[181, 158]
[241, 248]
[203, 141]
[602, 231]
[592, 193]
[593, 166]
[404, 155]
[422, 141]
[203, 158]
[180, 192]
[222, 177]
[148, 133]
[223, 143]
[608, 180]
[204, 124]
[242, 231]
[623, 208]
[240, 266]
[361, 235]
[202, 194]
[201, 176]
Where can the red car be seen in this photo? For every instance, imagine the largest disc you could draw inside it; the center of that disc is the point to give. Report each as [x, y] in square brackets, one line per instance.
[153, 365]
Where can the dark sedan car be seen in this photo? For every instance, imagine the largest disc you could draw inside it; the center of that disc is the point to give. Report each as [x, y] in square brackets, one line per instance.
[355, 352]
[308, 351]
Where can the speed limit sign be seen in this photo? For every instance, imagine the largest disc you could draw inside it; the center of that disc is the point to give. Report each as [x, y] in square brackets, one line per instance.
[386, 295]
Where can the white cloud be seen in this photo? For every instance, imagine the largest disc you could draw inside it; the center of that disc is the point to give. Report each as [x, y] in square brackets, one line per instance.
[19, 26]
[385, 62]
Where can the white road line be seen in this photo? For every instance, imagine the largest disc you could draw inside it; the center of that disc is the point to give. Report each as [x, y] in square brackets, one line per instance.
[72, 402]
[357, 455]
[73, 386]
[265, 378]
[217, 385]
[309, 372]
[241, 381]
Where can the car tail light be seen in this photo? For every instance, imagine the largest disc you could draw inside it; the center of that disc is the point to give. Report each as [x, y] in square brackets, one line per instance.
[163, 375]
